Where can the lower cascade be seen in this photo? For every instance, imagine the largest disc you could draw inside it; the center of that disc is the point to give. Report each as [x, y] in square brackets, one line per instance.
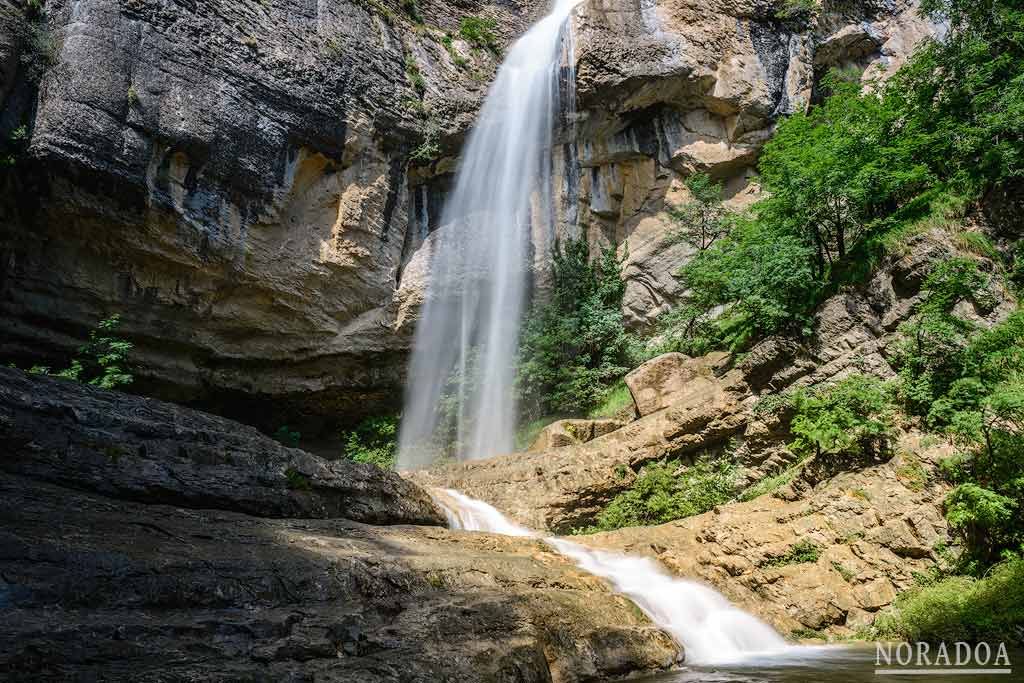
[710, 629]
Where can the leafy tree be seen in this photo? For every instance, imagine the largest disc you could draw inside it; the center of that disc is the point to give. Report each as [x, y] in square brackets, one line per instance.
[852, 417]
[374, 441]
[753, 281]
[963, 96]
[574, 345]
[704, 219]
[840, 172]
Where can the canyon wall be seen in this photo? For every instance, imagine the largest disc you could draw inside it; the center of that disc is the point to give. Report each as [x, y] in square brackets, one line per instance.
[252, 185]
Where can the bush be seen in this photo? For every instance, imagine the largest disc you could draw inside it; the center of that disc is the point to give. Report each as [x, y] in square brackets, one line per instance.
[802, 552]
[959, 609]
[665, 491]
[574, 346]
[374, 441]
[479, 31]
[852, 417]
[704, 219]
[102, 361]
[287, 437]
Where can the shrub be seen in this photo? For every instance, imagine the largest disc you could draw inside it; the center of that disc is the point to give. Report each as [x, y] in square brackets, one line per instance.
[101, 361]
[959, 609]
[801, 552]
[574, 346]
[479, 31]
[665, 491]
[374, 441]
[852, 417]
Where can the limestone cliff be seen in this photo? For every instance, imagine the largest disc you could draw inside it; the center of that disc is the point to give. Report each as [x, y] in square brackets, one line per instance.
[245, 182]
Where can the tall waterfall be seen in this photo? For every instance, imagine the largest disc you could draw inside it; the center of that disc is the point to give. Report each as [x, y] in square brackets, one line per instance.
[710, 628]
[459, 392]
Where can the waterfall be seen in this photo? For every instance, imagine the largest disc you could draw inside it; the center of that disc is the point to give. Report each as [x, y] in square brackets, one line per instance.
[459, 399]
[710, 629]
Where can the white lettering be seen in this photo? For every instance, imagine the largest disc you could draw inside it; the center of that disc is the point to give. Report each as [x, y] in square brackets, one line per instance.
[883, 650]
[922, 654]
[1002, 659]
[963, 653]
[977, 654]
[904, 656]
[942, 656]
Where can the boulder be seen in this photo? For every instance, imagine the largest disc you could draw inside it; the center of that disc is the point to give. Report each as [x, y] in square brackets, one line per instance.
[134, 448]
[677, 380]
[569, 432]
[99, 589]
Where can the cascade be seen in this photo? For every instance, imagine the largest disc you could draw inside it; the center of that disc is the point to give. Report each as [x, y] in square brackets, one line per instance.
[710, 628]
[459, 398]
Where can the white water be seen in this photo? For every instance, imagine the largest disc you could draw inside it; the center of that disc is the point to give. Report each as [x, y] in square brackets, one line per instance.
[710, 628]
[461, 371]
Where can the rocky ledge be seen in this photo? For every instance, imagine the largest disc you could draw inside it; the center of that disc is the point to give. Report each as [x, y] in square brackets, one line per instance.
[141, 541]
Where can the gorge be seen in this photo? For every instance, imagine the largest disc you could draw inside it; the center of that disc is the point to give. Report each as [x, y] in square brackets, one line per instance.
[422, 340]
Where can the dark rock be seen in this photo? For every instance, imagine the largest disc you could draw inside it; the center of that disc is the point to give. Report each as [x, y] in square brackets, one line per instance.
[142, 449]
[98, 589]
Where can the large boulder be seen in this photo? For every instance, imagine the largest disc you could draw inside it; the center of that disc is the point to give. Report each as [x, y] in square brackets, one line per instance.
[99, 589]
[142, 449]
[677, 379]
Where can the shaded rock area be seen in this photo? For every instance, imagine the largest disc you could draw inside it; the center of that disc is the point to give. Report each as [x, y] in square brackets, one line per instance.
[155, 452]
[871, 531]
[101, 580]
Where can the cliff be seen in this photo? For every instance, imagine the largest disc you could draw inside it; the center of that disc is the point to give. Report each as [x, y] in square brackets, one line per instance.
[246, 182]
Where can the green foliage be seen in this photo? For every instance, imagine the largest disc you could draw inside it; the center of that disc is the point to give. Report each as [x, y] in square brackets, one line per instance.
[703, 220]
[101, 361]
[479, 31]
[970, 384]
[959, 609]
[931, 355]
[963, 96]
[617, 399]
[414, 76]
[574, 346]
[665, 491]
[374, 441]
[287, 436]
[801, 552]
[296, 480]
[429, 149]
[796, 10]
[760, 275]
[853, 417]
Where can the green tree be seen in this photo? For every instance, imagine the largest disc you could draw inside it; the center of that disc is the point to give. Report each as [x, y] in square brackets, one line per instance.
[374, 441]
[574, 345]
[704, 219]
[852, 417]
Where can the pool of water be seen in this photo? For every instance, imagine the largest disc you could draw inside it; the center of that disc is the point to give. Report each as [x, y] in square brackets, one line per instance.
[826, 664]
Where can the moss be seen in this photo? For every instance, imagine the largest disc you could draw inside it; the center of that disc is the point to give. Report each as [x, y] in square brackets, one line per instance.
[296, 480]
[912, 473]
[615, 401]
[844, 572]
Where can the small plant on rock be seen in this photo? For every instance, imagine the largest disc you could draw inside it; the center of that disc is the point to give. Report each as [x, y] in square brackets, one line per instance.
[852, 417]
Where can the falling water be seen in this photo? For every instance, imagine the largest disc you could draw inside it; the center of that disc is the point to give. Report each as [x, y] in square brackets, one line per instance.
[710, 628]
[459, 396]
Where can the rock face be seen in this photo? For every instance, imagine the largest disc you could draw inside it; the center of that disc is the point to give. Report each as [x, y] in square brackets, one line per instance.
[232, 178]
[670, 87]
[235, 178]
[142, 449]
[871, 530]
[101, 579]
